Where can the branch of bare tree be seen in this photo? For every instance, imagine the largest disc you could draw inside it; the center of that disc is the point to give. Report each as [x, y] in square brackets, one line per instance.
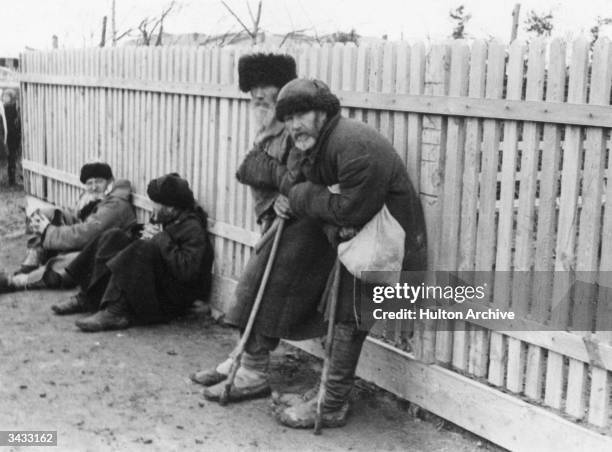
[242, 24]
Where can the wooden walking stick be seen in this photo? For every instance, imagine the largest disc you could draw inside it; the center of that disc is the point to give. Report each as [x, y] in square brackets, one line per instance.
[265, 238]
[237, 354]
[333, 303]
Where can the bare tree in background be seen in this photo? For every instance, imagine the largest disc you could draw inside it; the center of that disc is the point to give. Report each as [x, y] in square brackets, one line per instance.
[596, 29]
[540, 24]
[148, 28]
[149, 25]
[461, 18]
[103, 36]
[254, 30]
[344, 37]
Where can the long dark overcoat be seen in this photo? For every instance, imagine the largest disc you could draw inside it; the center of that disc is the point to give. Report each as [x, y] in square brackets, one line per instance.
[303, 262]
[159, 278]
[289, 308]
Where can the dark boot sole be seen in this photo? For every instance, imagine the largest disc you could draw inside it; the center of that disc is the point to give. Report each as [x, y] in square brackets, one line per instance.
[98, 328]
[210, 379]
[325, 423]
[58, 310]
[239, 396]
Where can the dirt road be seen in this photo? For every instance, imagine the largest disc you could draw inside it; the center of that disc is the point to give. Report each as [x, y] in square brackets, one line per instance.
[129, 390]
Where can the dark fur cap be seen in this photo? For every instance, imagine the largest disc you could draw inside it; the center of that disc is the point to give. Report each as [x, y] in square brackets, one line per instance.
[260, 69]
[97, 169]
[171, 190]
[303, 95]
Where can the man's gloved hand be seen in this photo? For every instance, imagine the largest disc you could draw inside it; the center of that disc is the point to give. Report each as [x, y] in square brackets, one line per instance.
[150, 230]
[281, 207]
[347, 233]
[135, 230]
[39, 223]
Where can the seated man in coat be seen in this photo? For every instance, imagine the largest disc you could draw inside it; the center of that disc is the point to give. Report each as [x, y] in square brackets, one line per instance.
[303, 260]
[369, 173]
[147, 280]
[61, 233]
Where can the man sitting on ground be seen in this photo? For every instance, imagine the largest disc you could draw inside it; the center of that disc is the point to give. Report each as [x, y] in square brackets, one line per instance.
[147, 280]
[61, 233]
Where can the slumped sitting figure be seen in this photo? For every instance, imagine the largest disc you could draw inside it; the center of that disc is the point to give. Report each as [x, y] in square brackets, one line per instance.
[59, 234]
[151, 279]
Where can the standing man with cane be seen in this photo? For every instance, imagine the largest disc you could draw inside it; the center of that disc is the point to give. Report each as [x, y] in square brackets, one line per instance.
[346, 174]
[289, 304]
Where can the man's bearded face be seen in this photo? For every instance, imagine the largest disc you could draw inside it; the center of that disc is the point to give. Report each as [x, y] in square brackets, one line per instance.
[263, 101]
[95, 190]
[97, 186]
[305, 128]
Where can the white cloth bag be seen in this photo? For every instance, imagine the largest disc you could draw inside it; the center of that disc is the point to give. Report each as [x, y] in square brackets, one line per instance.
[377, 247]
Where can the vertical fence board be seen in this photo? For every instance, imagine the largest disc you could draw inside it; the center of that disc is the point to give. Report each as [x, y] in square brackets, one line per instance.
[469, 194]
[505, 232]
[451, 199]
[486, 228]
[525, 232]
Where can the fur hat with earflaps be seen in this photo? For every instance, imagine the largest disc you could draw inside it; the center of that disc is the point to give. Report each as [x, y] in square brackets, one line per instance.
[301, 95]
[171, 190]
[96, 169]
[261, 69]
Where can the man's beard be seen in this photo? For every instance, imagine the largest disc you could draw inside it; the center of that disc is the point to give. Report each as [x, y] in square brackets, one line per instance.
[304, 142]
[264, 116]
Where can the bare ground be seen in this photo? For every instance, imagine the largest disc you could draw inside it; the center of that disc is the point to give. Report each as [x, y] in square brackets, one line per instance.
[130, 390]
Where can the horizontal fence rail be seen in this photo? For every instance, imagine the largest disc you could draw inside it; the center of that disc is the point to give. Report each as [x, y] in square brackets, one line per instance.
[508, 147]
[562, 113]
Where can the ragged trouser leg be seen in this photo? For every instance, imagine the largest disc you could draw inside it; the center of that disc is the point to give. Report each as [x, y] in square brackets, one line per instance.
[252, 376]
[346, 348]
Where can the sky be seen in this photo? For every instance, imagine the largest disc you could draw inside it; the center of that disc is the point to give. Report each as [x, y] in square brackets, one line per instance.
[77, 23]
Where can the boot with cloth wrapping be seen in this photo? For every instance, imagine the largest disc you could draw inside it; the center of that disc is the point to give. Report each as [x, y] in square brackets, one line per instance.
[346, 348]
[251, 379]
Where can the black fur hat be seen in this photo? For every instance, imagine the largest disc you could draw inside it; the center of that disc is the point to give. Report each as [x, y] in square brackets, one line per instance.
[260, 69]
[302, 95]
[97, 169]
[171, 190]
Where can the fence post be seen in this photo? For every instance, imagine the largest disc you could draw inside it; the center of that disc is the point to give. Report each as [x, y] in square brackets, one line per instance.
[437, 72]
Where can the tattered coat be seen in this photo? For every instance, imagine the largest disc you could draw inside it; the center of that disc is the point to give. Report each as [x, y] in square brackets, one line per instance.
[159, 278]
[303, 262]
[71, 235]
[114, 211]
[369, 173]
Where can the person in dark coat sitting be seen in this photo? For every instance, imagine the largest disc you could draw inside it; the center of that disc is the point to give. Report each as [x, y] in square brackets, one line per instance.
[150, 279]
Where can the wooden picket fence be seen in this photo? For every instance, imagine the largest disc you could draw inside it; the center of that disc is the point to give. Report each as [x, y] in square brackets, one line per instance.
[508, 147]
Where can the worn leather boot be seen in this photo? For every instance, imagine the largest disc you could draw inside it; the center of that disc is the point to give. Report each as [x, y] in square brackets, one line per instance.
[103, 321]
[72, 305]
[251, 380]
[113, 316]
[209, 377]
[346, 348]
